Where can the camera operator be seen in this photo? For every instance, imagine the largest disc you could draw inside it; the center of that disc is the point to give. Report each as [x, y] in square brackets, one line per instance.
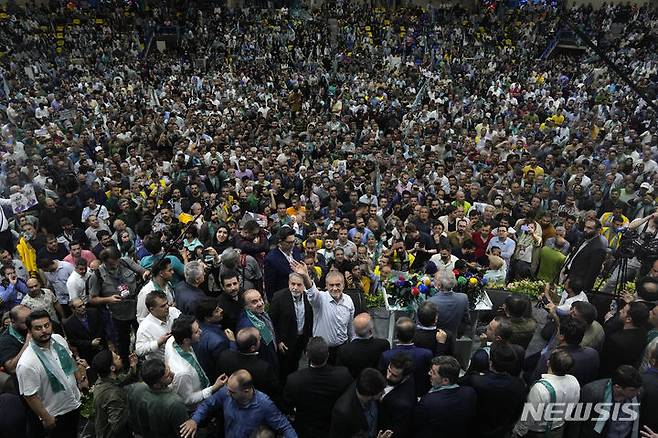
[647, 227]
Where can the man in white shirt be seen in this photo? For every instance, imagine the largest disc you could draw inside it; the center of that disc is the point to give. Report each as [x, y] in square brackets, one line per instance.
[190, 381]
[162, 273]
[78, 283]
[333, 311]
[556, 391]
[50, 379]
[444, 260]
[154, 330]
[100, 211]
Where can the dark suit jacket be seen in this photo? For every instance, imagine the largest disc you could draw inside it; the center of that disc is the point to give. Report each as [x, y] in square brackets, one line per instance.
[313, 393]
[360, 354]
[267, 352]
[347, 417]
[587, 263]
[396, 409]
[284, 318]
[276, 270]
[593, 392]
[450, 411]
[622, 348]
[265, 378]
[80, 337]
[500, 400]
[232, 310]
[427, 339]
[422, 359]
[585, 364]
[649, 403]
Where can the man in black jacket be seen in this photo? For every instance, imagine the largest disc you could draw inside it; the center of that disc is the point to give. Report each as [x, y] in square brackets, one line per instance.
[397, 406]
[586, 258]
[500, 396]
[439, 342]
[364, 350]
[448, 407]
[649, 405]
[292, 318]
[313, 391]
[85, 330]
[356, 411]
[626, 346]
[586, 359]
[620, 395]
[248, 342]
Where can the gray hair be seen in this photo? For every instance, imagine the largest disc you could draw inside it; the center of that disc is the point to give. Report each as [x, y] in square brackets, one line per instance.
[296, 275]
[230, 257]
[193, 271]
[446, 281]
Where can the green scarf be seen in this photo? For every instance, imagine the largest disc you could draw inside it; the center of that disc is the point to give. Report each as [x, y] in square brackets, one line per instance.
[65, 359]
[262, 327]
[189, 357]
[12, 331]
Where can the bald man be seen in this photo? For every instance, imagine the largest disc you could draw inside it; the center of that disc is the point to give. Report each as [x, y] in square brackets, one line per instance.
[364, 350]
[245, 410]
[13, 340]
[254, 315]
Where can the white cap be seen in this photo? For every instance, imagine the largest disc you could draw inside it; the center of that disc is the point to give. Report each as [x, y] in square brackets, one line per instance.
[646, 185]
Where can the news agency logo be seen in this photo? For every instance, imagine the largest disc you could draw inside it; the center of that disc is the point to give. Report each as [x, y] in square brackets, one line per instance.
[551, 412]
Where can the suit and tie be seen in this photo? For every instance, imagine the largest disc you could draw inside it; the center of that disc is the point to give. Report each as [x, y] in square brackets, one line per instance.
[586, 260]
[284, 310]
[422, 359]
[348, 418]
[313, 392]
[397, 408]
[264, 376]
[276, 270]
[80, 333]
[361, 353]
[267, 351]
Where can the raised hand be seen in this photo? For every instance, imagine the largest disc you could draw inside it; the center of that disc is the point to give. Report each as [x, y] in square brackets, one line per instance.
[299, 268]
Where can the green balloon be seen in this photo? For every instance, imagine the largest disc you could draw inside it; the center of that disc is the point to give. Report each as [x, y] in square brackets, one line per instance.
[461, 280]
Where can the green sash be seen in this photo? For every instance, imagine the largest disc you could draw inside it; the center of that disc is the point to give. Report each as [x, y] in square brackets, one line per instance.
[12, 331]
[189, 358]
[65, 359]
[263, 328]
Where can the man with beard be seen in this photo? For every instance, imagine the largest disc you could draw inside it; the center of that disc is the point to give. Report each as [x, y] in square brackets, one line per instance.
[586, 258]
[49, 378]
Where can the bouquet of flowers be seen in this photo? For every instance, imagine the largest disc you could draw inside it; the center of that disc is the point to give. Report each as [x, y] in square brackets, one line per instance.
[472, 285]
[407, 290]
[532, 288]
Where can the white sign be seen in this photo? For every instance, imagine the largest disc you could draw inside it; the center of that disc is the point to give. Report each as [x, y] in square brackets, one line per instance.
[23, 200]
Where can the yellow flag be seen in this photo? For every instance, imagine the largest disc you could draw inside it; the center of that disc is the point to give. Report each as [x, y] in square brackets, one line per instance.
[185, 218]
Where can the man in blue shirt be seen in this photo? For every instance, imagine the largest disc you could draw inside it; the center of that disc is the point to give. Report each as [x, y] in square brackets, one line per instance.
[214, 339]
[245, 410]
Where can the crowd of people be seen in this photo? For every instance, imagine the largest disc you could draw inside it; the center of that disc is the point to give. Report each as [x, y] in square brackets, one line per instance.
[182, 226]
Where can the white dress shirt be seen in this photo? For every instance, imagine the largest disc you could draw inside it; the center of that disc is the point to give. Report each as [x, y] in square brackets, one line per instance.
[32, 379]
[186, 380]
[142, 311]
[149, 331]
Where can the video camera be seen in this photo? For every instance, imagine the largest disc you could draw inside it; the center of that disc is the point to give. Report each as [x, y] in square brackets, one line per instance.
[632, 243]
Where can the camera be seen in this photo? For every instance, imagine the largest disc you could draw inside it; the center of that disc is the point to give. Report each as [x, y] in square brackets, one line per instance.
[543, 302]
